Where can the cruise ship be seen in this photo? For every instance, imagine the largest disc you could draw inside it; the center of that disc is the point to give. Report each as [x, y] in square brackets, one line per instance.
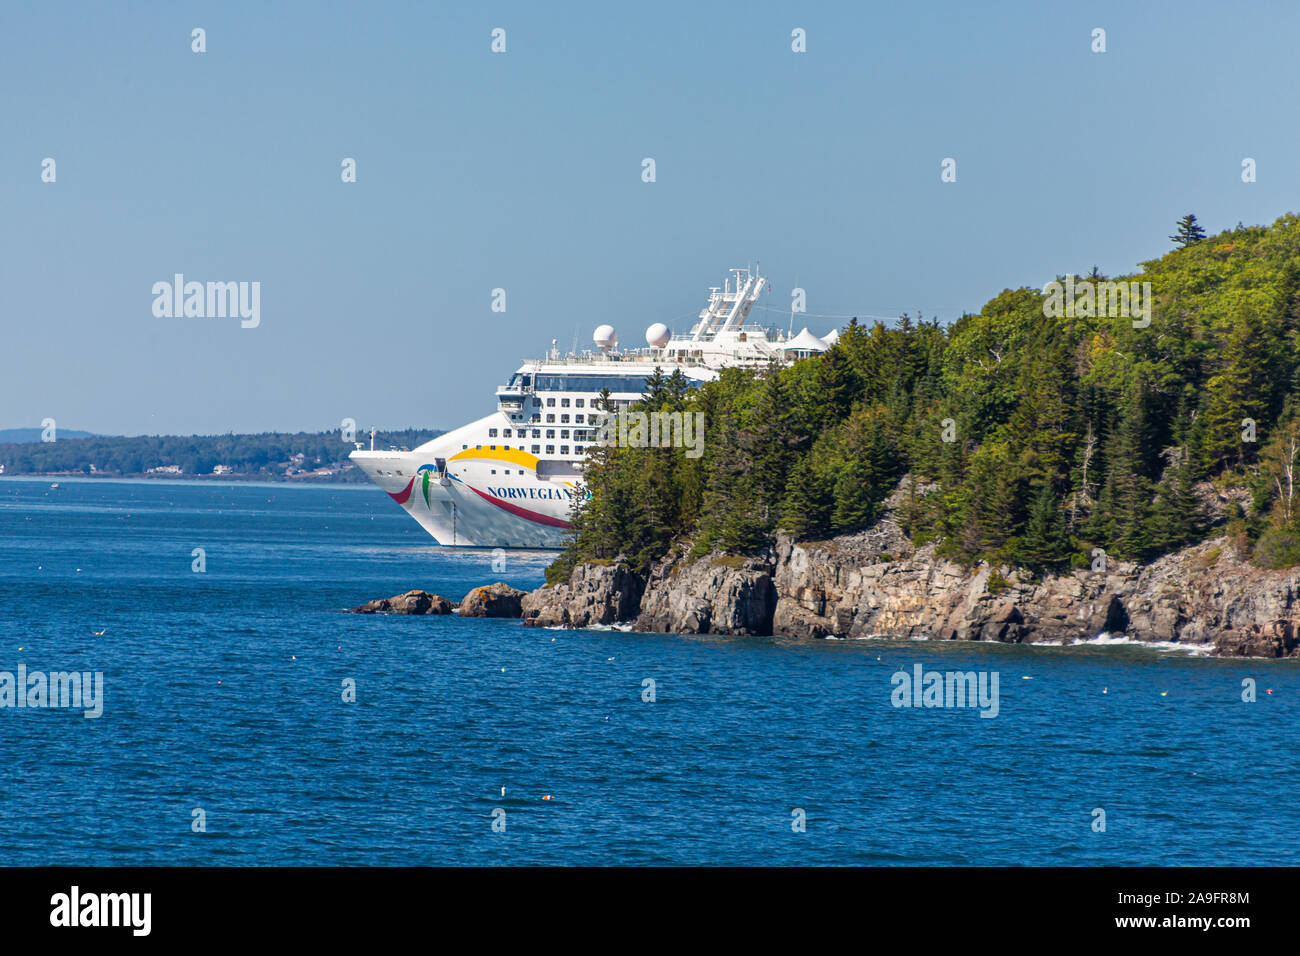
[512, 478]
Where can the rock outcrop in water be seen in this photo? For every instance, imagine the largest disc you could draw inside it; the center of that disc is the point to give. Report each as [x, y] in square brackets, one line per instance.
[594, 594]
[875, 583]
[412, 602]
[492, 600]
[714, 595]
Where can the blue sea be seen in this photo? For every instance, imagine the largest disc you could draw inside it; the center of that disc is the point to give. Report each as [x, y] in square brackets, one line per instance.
[224, 693]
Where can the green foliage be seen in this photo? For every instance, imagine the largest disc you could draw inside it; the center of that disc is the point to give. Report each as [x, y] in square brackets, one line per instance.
[1278, 548]
[1068, 433]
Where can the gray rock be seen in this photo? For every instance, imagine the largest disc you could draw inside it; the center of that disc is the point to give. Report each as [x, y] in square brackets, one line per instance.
[712, 595]
[412, 602]
[594, 594]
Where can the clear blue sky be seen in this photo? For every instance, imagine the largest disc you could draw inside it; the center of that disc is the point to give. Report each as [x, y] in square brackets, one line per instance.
[523, 171]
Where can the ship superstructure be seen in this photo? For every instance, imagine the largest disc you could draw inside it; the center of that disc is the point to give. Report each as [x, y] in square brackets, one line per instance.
[510, 479]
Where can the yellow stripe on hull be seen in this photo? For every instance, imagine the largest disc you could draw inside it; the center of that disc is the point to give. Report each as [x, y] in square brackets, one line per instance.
[512, 455]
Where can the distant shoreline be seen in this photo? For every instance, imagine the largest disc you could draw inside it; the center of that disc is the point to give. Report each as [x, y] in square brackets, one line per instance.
[230, 480]
[277, 457]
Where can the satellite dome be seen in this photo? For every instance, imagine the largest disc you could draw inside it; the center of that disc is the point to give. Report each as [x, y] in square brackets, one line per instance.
[605, 338]
[657, 335]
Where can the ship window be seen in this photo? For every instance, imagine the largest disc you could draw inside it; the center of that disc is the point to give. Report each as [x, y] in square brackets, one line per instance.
[577, 449]
[464, 446]
[578, 419]
[591, 383]
[494, 471]
[550, 433]
[564, 433]
[550, 418]
[564, 403]
[478, 447]
[537, 433]
[564, 449]
[550, 403]
[536, 418]
[579, 402]
[492, 433]
[550, 449]
[505, 433]
[537, 449]
[564, 419]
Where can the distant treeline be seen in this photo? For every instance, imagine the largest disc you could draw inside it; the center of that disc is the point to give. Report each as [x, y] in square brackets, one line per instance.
[270, 455]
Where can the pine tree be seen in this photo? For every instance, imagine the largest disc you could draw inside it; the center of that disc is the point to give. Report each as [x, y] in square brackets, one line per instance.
[1046, 543]
[1175, 517]
[1189, 232]
[807, 503]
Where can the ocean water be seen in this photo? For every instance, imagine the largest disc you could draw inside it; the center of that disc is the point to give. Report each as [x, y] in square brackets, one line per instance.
[224, 692]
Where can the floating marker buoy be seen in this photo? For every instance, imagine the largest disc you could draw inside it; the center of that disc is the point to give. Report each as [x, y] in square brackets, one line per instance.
[1025, 677]
[503, 791]
[547, 797]
[1105, 689]
[1164, 693]
[503, 670]
[1270, 690]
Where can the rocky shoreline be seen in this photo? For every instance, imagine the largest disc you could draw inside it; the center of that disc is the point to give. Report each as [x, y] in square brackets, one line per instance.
[877, 584]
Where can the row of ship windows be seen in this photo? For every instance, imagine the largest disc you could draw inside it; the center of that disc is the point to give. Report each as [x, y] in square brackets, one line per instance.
[512, 407]
[564, 420]
[564, 403]
[579, 433]
[537, 449]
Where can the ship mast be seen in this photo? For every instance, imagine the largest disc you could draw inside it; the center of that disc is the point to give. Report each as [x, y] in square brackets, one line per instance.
[728, 308]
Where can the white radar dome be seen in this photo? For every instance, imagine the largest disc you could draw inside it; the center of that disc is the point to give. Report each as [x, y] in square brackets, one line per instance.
[657, 335]
[605, 338]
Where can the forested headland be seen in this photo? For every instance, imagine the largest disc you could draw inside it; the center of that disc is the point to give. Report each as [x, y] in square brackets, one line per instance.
[1033, 437]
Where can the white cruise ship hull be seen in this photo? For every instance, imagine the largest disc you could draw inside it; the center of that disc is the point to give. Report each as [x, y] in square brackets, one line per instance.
[485, 495]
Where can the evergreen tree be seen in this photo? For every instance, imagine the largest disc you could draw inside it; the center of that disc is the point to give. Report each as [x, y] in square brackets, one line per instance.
[1189, 232]
[1046, 542]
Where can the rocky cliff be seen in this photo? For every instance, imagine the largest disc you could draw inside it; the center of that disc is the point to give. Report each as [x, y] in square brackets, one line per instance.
[876, 583]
